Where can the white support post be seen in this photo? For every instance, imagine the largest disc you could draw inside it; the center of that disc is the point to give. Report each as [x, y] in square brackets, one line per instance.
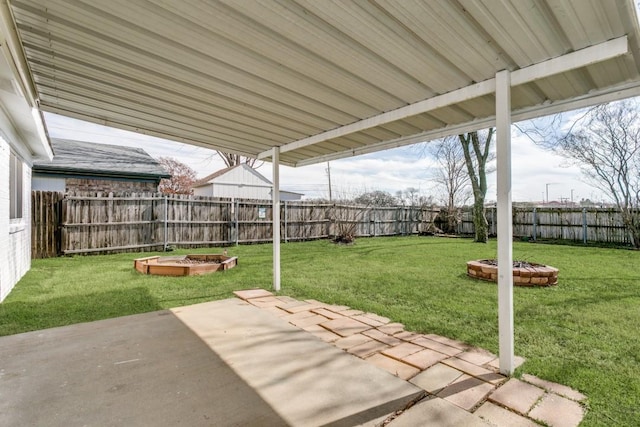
[505, 226]
[275, 193]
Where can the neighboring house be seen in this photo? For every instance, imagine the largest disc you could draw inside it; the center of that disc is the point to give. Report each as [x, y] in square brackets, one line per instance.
[240, 182]
[22, 140]
[86, 166]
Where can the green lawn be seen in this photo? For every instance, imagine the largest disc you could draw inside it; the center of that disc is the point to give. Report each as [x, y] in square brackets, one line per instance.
[582, 333]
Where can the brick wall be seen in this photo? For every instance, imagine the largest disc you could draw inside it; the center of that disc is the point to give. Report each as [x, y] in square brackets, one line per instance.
[15, 234]
[108, 185]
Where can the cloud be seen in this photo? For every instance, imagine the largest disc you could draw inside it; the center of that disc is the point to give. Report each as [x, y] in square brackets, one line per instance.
[391, 170]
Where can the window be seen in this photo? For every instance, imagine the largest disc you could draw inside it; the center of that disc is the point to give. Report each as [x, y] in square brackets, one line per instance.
[15, 187]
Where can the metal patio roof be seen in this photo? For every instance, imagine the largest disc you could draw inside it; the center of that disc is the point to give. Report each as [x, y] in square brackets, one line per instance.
[319, 79]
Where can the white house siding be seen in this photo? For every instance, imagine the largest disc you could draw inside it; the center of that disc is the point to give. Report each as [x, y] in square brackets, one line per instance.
[15, 234]
[241, 191]
[241, 182]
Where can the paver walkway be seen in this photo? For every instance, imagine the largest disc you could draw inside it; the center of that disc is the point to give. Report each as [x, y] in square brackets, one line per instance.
[459, 380]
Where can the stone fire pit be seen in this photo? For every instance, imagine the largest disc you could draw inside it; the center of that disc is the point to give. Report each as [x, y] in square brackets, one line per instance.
[524, 273]
[184, 265]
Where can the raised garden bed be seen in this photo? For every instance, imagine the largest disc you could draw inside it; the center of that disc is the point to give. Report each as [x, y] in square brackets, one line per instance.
[524, 273]
[184, 265]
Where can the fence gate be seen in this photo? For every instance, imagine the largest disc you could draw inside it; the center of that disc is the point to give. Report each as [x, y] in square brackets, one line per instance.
[46, 210]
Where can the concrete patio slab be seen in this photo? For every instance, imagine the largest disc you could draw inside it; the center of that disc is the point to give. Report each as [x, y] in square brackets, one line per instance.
[306, 381]
[141, 370]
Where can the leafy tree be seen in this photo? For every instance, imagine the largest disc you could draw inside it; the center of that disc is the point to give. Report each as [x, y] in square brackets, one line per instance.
[376, 198]
[605, 143]
[182, 177]
[476, 147]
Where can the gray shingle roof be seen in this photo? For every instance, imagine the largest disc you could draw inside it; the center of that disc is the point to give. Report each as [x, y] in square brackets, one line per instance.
[86, 158]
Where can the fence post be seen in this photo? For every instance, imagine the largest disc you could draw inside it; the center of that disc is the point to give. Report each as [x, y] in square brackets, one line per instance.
[535, 223]
[285, 220]
[166, 223]
[584, 225]
[237, 223]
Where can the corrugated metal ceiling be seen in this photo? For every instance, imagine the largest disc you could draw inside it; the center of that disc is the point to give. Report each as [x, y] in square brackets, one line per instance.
[244, 76]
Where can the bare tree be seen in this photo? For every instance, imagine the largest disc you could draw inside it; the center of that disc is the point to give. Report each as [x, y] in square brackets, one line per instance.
[230, 159]
[476, 147]
[605, 143]
[453, 177]
[182, 177]
[376, 198]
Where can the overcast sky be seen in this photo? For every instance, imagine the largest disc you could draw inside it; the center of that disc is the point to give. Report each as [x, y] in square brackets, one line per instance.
[533, 169]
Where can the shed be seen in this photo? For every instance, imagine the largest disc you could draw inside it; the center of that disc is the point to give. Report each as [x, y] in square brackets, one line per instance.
[240, 182]
[86, 166]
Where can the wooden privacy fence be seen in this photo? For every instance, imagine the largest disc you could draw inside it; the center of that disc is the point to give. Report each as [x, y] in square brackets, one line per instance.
[595, 225]
[81, 223]
[101, 223]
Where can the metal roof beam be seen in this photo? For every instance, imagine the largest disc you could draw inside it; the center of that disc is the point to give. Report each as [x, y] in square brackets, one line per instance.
[609, 95]
[581, 58]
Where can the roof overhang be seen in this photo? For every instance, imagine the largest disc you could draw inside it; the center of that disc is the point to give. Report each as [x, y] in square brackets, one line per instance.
[319, 80]
[21, 123]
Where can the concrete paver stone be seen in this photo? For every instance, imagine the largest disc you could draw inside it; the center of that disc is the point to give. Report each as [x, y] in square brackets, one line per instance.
[345, 326]
[558, 411]
[466, 392]
[437, 412]
[322, 333]
[424, 358]
[367, 320]
[517, 395]
[393, 366]
[448, 341]
[407, 336]
[403, 350]
[252, 293]
[327, 313]
[382, 337]
[437, 346]
[352, 341]
[308, 321]
[392, 328]
[296, 308]
[285, 298]
[350, 312]
[473, 370]
[556, 388]
[500, 417]
[367, 349]
[297, 316]
[264, 301]
[381, 319]
[436, 378]
[476, 356]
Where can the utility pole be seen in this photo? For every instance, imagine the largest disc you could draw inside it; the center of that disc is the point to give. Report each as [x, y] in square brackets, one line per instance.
[329, 177]
[547, 188]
